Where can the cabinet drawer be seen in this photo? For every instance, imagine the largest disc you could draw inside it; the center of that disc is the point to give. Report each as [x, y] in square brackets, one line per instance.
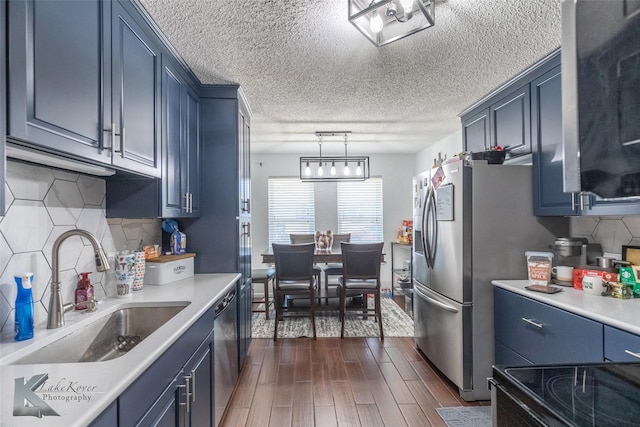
[544, 334]
[621, 346]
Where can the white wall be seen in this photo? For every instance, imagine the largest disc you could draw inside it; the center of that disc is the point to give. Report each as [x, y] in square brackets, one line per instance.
[447, 146]
[396, 172]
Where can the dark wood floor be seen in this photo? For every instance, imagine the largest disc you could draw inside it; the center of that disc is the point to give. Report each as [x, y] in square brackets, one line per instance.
[339, 382]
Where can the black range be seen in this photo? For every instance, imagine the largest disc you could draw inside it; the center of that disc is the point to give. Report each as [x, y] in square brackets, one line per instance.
[606, 394]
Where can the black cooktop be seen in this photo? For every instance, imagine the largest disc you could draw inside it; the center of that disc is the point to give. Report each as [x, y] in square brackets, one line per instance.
[585, 395]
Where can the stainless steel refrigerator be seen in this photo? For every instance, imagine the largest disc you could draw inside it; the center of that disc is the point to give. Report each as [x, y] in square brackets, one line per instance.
[472, 223]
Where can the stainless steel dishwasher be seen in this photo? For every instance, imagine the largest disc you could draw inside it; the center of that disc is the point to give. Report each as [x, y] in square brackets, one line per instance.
[225, 342]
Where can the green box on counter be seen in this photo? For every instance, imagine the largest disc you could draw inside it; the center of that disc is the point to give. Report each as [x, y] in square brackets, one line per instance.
[629, 276]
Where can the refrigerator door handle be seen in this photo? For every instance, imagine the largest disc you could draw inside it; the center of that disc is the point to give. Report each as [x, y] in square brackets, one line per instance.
[432, 301]
[425, 228]
[430, 227]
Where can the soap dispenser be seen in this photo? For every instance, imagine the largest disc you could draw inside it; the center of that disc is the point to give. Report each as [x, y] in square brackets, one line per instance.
[84, 291]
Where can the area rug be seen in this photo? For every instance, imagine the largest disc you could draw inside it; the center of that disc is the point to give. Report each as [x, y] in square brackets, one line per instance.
[466, 416]
[395, 323]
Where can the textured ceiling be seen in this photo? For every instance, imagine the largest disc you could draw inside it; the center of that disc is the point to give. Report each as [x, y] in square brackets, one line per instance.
[305, 68]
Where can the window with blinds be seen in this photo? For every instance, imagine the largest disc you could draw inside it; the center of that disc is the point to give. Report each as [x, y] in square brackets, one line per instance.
[360, 210]
[291, 209]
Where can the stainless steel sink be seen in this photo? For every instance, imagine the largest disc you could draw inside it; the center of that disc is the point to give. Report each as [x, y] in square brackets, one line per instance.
[106, 338]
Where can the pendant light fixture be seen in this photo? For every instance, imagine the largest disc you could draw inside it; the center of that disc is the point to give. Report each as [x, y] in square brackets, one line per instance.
[385, 21]
[361, 163]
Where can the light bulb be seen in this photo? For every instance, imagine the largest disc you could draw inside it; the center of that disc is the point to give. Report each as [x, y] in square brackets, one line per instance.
[333, 168]
[359, 170]
[375, 22]
[320, 171]
[407, 5]
[346, 169]
[307, 170]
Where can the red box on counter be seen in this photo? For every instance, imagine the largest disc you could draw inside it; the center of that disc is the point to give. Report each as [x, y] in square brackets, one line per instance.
[579, 273]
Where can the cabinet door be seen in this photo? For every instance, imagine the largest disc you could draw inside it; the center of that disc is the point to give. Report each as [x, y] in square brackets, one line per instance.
[3, 106]
[510, 123]
[173, 187]
[544, 334]
[549, 199]
[136, 95]
[59, 76]
[596, 205]
[191, 149]
[199, 373]
[621, 346]
[165, 411]
[475, 132]
[244, 173]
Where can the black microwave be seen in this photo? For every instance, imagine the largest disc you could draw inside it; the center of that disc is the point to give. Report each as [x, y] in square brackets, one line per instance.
[601, 96]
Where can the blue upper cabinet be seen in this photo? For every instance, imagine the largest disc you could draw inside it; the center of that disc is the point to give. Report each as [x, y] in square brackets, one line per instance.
[135, 123]
[58, 76]
[180, 144]
[503, 119]
[84, 81]
[3, 105]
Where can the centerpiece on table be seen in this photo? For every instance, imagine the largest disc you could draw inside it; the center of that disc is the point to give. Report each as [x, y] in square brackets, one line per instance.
[323, 240]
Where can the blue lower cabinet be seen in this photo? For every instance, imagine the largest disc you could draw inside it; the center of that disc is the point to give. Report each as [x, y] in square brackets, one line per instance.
[621, 346]
[177, 390]
[543, 334]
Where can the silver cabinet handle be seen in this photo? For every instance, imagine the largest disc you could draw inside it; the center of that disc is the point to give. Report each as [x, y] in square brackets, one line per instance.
[573, 201]
[188, 393]
[122, 142]
[632, 353]
[532, 323]
[186, 202]
[190, 198]
[113, 133]
[193, 386]
[581, 195]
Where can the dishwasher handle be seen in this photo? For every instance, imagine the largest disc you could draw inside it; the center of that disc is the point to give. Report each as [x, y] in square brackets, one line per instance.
[225, 302]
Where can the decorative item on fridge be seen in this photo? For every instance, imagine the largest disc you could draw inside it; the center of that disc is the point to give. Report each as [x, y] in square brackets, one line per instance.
[23, 317]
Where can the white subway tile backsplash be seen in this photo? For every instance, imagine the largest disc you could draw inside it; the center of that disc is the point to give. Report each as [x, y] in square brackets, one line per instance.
[42, 203]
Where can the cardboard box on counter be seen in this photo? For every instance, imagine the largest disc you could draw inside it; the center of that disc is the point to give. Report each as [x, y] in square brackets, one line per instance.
[629, 275]
[579, 273]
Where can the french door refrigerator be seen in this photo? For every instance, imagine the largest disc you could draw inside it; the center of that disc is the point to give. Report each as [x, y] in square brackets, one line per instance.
[472, 223]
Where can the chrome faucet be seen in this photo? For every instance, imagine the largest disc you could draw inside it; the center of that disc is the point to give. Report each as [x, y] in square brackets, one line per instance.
[55, 319]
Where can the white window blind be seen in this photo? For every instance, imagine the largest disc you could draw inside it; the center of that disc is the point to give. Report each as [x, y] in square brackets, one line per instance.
[360, 210]
[291, 209]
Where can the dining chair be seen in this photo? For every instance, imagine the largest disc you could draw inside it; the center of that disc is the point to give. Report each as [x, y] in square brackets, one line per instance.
[334, 268]
[297, 239]
[294, 278]
[361, 276]
[265, 276]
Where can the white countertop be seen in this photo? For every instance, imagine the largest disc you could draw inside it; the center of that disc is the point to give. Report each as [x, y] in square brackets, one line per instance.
[620, 313]
[79, 392]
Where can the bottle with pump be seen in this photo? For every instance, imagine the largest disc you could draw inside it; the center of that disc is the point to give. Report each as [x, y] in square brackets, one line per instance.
[23, 324]
[84, 291]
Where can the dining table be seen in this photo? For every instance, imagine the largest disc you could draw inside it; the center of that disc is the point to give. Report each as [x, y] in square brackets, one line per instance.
[320, 256]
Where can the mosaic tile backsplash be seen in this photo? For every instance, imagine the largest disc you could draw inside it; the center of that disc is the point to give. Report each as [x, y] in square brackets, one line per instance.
[41, 204]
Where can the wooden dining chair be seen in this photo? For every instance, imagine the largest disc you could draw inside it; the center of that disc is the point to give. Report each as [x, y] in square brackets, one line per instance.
[361, 276]
[297, 239]
[294, 278]
[334, 268]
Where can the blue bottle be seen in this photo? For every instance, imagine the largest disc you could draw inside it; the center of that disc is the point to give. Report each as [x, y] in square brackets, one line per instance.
[24, 307]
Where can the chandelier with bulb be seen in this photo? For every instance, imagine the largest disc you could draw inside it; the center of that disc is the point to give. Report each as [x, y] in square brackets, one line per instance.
[341, 168]
[385, 21]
